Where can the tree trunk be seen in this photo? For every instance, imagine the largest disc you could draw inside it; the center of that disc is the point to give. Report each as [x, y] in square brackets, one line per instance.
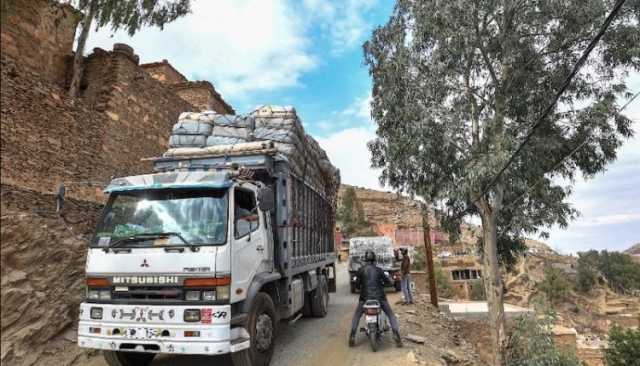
[78, 58]
[433, 290]
[494, 286]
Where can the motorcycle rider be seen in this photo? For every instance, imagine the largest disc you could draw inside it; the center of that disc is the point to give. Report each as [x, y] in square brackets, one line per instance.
[372, 280]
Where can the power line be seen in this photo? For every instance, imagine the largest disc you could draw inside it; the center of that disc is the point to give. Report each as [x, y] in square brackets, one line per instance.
[563, 159]
[557, 96]
[629, 102]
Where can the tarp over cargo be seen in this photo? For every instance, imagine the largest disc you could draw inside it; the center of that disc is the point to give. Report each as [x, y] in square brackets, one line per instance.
[209, 133]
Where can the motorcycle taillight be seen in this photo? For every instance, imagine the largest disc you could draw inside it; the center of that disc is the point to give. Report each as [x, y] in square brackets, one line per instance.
[371, 311]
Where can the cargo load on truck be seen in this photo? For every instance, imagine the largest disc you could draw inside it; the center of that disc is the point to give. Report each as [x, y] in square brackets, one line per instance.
[268, 127]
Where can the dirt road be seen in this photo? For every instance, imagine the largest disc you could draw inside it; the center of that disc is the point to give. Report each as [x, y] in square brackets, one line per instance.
[313, 342]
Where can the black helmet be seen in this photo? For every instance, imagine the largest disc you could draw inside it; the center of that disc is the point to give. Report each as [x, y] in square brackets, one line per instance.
[369, 256]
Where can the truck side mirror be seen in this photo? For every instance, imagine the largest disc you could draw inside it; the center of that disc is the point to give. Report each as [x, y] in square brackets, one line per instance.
[265, 199]
[60, 197]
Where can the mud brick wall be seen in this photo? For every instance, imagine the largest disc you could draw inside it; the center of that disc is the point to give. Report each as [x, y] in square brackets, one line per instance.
[47, 139]
[200, 94]
[164, 72]
[139, 110]
[203, 96]
[40, 34]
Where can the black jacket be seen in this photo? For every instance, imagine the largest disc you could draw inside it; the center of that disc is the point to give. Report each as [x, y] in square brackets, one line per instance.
[371, 280]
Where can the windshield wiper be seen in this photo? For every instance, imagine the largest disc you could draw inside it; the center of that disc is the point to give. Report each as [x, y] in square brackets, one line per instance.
[160, 235]
[148, 236]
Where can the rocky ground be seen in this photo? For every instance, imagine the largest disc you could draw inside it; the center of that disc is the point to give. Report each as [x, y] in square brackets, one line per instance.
[436, 340]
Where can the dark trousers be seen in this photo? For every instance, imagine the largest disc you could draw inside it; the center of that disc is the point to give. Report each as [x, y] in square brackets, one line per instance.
[393, 321]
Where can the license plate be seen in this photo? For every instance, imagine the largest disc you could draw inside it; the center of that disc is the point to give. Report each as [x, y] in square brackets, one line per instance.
[141, 333]
[371, 319]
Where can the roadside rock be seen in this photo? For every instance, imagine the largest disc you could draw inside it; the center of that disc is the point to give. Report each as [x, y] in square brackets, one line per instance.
[415, 338]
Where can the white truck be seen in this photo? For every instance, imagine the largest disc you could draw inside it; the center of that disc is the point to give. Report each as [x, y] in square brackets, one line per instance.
[206, 255]
[386, 258]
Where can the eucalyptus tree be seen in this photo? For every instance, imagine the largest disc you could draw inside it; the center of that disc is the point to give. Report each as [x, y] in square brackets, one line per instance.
[130, 15]
[457, 87]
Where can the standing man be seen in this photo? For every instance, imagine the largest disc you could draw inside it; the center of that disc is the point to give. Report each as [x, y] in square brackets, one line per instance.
[405, 283]
[371, 281]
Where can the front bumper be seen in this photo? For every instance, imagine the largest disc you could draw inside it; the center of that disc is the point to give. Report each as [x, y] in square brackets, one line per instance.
[160, 329]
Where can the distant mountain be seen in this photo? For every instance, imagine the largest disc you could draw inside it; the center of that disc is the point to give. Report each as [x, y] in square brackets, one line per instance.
[634, 250]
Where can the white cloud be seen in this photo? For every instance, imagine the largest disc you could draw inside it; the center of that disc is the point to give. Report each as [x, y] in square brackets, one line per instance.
[348, 150]
[610, 219]
[343, 20]
[240, 46]
[358, 113]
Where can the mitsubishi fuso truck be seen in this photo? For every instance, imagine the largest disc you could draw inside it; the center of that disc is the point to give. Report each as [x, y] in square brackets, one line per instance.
[210, 251]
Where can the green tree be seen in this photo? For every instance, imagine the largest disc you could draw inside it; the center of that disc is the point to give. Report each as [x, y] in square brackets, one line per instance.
[130, 15]
[624, 347]
[458, 85]
[351, 216]
[531, 343]
[620, 271]
[587, 271]
[555, 284]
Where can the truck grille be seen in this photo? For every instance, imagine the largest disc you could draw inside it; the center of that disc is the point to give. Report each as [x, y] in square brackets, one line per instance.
[149, 293]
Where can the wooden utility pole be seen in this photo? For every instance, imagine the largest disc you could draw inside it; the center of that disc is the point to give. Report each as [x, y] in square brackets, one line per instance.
[426, 229]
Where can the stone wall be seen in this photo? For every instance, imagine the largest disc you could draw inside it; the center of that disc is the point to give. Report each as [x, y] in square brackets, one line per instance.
[42, 261]
[47, 138]
[40, 34]
[164, 72]
[203, 96]
[140, 110]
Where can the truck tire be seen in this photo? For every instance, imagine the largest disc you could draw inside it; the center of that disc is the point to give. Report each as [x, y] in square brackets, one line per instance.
[353, 287]
[320, 298]
[116, 358]
[398, 285]
[262, 327]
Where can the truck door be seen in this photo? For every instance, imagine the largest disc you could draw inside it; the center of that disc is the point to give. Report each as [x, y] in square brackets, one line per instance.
[250, 253]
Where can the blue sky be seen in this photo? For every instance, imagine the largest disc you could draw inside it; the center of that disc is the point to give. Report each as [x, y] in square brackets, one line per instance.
[309, 54]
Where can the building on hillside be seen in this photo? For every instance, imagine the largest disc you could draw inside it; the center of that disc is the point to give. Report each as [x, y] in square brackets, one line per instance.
[463, 269]
[409, 236]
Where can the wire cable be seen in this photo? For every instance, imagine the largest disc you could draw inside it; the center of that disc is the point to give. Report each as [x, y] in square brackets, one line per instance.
[545, 113]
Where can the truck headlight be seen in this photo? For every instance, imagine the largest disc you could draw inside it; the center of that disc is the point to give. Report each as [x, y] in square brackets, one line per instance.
[208, 295]
[96, 313]
[192, 295]
[93, 294]
[192, 315]
[104, 295]
[223, 292]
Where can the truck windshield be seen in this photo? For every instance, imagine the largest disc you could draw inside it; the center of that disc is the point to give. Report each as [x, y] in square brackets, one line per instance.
[164, 217]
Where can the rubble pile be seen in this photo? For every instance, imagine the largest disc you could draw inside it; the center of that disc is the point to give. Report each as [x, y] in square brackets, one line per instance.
[436, 338]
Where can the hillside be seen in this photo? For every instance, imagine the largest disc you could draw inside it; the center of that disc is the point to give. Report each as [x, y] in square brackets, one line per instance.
[633, 250]
[385, 207]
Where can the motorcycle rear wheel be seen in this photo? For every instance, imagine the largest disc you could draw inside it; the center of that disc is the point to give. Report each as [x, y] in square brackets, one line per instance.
[373, 337]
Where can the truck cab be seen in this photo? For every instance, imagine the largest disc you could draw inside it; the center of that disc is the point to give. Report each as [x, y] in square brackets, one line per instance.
[171, 253]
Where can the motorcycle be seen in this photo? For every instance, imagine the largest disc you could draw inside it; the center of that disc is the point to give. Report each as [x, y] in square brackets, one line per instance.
[376, 323]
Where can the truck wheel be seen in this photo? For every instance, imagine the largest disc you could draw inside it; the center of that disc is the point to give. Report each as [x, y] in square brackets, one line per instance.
[115, 358]
[262, 326]
[320, 298]
[398, 286]
[353, 288]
